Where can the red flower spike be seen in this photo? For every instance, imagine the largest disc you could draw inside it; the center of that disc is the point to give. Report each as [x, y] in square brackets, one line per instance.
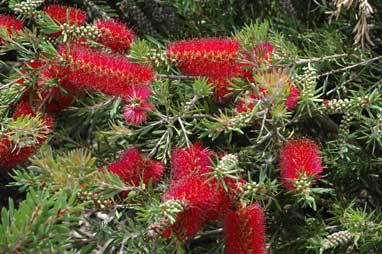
[204, 202]
[136, 108]
[297, 156]
[12, 157]
[292, 100]
[211, 57]
[115, 35]
[64, 14]
[11, 24]
[244, 231]
[193, 159]
[94, 70]
[133, 167]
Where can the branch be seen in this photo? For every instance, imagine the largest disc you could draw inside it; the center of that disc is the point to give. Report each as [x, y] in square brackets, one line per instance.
[319, 59]
[177, 77]
[351, 66]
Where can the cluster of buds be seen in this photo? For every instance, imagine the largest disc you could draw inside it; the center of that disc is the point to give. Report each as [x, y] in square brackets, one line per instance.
[171, 208]
[254, 189]
[345, 125]
[303, 185]
[342, 105]
[94, 199]
[308, 82]
[227, 164]
[159, 57]
[76, 32]
[28, 7]
[226, 123]
[337, 239]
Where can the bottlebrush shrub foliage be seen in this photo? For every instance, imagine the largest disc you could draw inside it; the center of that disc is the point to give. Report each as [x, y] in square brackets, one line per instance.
[216, 144]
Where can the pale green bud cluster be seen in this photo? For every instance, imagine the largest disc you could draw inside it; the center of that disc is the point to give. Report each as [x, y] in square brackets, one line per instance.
[27, 7]
[171, 208]
[342, 105]
[337, 239]
[77, 32]
[95, 200]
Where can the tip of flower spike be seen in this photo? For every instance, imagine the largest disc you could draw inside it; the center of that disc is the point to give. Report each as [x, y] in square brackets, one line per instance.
[298, 156]
[115, 35]
[244, 231]
[194, 159]
[14, 153]
[292, 99]
[10, 23]
[64, 14]
[133, 167]
[204, 201]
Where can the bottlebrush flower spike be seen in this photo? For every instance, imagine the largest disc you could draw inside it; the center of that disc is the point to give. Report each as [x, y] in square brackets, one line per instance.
[204, 201]
[12, 154]
[92, 69]
[297, 156]
[136, 108]
[244, 231]
[133, 167]
[11, 24]
[292, 99]
[193, 159]
[115, 35]
[211, 57]
[64, 14]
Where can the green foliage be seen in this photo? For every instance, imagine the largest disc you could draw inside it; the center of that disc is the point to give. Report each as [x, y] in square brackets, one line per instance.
[40, 223]
[339, 107]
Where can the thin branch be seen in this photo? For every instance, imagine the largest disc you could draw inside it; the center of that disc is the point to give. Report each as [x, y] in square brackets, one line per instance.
[176, 77]
[351, 66]
[319, 59]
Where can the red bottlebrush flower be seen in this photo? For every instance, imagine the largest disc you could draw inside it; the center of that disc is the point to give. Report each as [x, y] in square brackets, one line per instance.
[244, 231]
[23, 108]
[193, 159]
[133, 167]
[204, 201]
[113, 75]
[11, 24]
[136, 108]
[297, 156]
[292, 99]
[11, 155]
[211, 57]
[54, 98]
[115, 35]
[64, 14]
